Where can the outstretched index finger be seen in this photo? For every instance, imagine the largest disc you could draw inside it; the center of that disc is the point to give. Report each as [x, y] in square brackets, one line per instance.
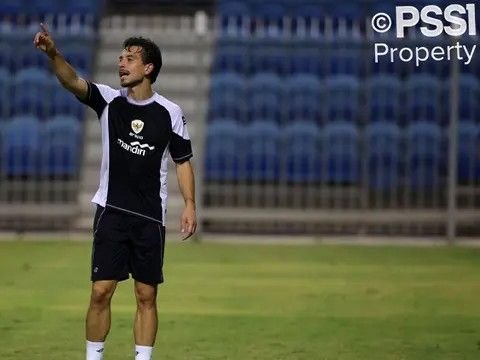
[44, 28]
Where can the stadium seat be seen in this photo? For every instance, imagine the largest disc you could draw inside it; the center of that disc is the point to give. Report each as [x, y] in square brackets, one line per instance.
[82, 16]
[227, 97]
[301, 153]
[347, 19]
[227, 85]
[220, 108]
[5, 92]
[304, 98]
[225, 142]
[340, 153]
[268, 56]
[65, 103]
[469, 92]
[20, 146]
[261, 152]
[19, 36]
[31, 57]
[6, 56]
[423, 93]
[345, 59]
[384, 98]
[307, 19]
[307, 60]
[234, 18]
[43, 11]
[266, 95]
[79, 56]
[10, 9]
[32, 91]
[342, 98]
[60, 153]
[425, 155]
[468, 152]
[231, 58]
[383, 151]
[268, 18]
[266, 83]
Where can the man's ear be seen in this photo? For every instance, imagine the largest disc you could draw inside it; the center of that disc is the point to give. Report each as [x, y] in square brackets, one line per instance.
[148, 69]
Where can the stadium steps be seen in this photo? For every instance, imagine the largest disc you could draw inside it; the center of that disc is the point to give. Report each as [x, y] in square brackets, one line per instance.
[183, 79]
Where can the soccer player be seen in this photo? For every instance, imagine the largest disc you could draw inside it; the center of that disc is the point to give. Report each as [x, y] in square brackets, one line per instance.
[139, 128]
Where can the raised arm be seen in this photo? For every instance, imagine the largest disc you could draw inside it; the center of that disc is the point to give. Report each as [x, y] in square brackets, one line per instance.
[186, 183]
[65, 73]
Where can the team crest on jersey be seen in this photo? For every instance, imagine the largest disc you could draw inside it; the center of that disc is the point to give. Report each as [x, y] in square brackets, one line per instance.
[137, 126]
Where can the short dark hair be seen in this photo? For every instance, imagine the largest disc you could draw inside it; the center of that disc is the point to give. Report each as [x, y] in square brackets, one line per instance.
[150, 54]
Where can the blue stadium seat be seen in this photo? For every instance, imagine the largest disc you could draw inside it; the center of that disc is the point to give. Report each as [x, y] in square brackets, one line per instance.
[41, 11]
[79, 56]
[225, 141]
[20, 146]
[304, 99]
[423, 93]
[384, 98]
[227, 85]
[307, 60]
[31, 57]
[228, 108]
[10, 9]
[345, 59]
[228, 96]
[231, 58]
[468, 152]
[234, 18]
[60, 152]
[301, 153]
[261, 151]
[82, 16]
[6, 56]
[469, 92]
[65, 103]
[268, 18]
[266, 95]
[266, 56]
[346, 18]
[383, 149]
[5, 92]
[308, 19]
[340, 153]
[342, 98]
[425, 155]
[19, 36]
[32, 91]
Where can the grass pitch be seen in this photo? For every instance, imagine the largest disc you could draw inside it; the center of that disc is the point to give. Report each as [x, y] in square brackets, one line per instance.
[245, 302]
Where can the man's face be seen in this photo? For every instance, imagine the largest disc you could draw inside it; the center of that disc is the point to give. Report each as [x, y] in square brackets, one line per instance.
[131, 68]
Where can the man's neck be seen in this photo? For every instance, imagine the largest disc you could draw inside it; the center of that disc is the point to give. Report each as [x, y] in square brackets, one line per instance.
[141, 91]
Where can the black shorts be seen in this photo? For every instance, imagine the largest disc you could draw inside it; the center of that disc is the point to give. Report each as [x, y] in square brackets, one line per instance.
[126, 244]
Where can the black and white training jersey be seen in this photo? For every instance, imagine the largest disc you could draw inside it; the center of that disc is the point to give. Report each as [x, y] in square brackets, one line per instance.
[136, 139]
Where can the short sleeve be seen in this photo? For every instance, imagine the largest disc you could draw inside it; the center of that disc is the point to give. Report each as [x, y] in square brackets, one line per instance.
[180, 146]
[99, 96]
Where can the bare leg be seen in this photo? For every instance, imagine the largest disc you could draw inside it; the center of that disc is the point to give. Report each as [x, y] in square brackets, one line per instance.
[98, 315]
[145, 329]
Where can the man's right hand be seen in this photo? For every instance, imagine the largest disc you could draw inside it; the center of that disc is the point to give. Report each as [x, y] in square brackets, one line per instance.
[44, 41]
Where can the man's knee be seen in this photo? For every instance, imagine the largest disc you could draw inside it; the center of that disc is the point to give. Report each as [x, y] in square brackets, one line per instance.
[145, 294]
[102, 292]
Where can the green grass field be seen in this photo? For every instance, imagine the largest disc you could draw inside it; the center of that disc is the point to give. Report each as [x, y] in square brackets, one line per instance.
[247, 302]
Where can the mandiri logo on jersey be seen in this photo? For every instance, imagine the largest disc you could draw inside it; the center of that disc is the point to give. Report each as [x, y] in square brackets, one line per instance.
[137, 126]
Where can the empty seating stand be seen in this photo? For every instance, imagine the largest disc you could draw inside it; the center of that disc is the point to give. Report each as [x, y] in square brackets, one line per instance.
[41, 138]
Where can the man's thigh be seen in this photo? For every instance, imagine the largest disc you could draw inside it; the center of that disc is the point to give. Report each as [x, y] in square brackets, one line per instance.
[110, 252]
[148, 246]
